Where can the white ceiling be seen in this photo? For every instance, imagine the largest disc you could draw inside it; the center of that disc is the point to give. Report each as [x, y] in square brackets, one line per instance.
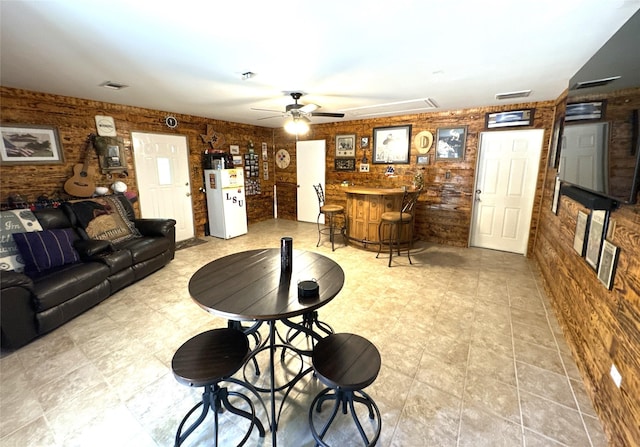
[188, 56]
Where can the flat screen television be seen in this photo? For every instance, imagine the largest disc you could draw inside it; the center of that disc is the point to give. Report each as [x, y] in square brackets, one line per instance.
[600, 143]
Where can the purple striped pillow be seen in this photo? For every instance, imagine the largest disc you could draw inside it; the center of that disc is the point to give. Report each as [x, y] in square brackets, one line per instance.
[43, 250]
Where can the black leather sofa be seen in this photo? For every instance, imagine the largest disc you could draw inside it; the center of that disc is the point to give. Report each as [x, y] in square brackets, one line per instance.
[34, 304]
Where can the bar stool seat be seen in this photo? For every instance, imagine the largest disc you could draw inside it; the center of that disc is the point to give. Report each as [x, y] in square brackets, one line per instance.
[346, 364]
[396, 221]
[206, 360]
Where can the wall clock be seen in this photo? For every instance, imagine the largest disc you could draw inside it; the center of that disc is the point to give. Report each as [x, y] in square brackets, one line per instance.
[283, 159]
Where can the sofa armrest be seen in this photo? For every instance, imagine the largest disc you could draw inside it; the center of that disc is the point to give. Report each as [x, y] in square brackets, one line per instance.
[156, 227]
[88, 248]
[17, 316]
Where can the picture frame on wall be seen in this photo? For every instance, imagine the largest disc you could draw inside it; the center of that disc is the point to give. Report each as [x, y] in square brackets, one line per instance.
[593, 110]
[608, 264]
[422, 159]
[391, 145]
[450, 143]
[512, 118]
[345, 164]
[582, 222]
[597, 228]
[345, 146]
[364, 142]
[556, 196]
[28, 144]
[556, 142]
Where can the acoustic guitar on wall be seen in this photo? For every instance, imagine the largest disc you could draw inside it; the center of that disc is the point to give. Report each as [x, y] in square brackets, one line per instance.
[82, 184]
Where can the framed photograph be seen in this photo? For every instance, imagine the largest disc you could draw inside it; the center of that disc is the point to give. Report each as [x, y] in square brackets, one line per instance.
[450, 143]
[581, 230]
[597, 227]
[234, 149]
[364, 142]
[608, 263]
[556, 142]
[422, 159]
[345, 146]
[585, 111]
[30, 144]
[556, 196]
[265, 155]
[345, 164]
[511, 118]
[391, 145]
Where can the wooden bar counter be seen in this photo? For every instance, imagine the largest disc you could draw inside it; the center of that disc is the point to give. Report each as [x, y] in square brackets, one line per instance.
[364, 208]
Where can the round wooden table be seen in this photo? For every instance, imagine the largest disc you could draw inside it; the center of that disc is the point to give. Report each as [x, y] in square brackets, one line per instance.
[250, 286]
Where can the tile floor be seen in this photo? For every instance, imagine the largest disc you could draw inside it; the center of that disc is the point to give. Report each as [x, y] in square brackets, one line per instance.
[471, 356]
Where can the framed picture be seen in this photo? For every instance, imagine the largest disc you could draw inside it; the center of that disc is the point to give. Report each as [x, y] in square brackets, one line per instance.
[30, 144]
[556, 196]
[234, 149]
[585, 111]
[511, 118]
[597, 227]
[345, 164]
[364, 142]
[556, 142]
[422, 159]
[345, 146]
[450, 143]
[608, 263]
[581, 230]
[391, 145]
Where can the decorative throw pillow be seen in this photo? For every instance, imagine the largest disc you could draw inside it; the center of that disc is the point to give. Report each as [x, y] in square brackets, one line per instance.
[14, 221]
[104, 219]
[43, 250]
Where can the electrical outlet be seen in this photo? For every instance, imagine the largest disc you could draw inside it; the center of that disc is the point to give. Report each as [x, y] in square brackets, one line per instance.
[615, 375]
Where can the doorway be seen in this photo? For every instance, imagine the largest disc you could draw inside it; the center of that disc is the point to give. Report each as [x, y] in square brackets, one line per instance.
[310, 170]
[506, 177]
[164, 186]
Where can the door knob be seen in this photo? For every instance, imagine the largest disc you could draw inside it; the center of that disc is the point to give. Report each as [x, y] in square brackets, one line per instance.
[478, 191]
[188, 194]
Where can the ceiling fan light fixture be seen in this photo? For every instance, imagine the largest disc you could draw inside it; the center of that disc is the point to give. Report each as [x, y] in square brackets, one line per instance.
[297, 126]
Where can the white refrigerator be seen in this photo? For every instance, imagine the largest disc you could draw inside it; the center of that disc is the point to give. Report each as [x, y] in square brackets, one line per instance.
[226, 202]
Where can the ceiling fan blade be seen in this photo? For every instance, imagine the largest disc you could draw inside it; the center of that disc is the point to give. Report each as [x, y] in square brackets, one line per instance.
[267, 110]
[329, 114]
[308, 108]
[269, 117]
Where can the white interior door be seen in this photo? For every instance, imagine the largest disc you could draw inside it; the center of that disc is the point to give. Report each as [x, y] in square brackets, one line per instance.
[162, 170]
[506, 178]
[310, 166]
[582, 159]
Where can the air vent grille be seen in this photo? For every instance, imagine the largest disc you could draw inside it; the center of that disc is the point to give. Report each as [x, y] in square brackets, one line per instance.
[113, 85]
[594, 83]
[391, 108]
[513, 95]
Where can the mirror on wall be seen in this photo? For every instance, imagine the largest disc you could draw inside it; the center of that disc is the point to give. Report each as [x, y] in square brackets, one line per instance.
[599, 142]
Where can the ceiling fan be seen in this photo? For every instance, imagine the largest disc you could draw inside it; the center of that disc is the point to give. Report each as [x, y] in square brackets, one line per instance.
[299, 111]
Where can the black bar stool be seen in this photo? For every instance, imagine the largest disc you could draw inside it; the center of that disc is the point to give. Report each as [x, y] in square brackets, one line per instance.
[206, 360]
[330, 211]
[346, 364]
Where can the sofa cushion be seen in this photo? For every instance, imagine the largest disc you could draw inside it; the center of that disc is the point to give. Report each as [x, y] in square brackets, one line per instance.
[104, 218]
[44, 250]
[64, 283]
[14, 221]
[144, 248]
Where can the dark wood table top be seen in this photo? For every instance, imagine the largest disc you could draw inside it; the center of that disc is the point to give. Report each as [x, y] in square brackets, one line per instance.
[249, 285]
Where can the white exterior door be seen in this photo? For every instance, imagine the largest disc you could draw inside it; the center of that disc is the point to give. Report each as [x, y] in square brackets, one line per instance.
[582, 159]
[310, 166]
[162, 170]
[506, 178]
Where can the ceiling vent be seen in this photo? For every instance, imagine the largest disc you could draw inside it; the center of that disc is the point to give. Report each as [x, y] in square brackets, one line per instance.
[394, 108]
[113, 85]
[513, 95]
[594, 83]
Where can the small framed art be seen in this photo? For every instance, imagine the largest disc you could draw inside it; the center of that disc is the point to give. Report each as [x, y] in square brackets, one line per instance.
[345, 146]
[345, 164]
[585, 111]
[608, 263]
[597, 227]
[581, 230]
